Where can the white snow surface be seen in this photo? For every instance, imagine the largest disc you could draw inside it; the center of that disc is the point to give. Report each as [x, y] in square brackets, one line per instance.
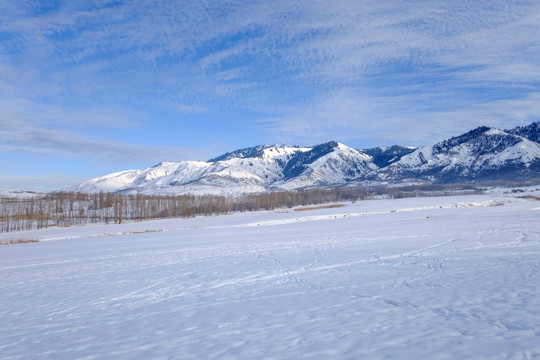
[423, 278]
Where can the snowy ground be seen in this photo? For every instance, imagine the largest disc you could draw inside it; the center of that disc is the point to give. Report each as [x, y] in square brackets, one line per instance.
[433, 278]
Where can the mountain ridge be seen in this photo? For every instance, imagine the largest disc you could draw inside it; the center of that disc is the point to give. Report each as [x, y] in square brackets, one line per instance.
[482, 153]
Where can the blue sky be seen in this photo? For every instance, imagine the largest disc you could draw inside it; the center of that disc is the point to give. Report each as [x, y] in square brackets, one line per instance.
[92, 87]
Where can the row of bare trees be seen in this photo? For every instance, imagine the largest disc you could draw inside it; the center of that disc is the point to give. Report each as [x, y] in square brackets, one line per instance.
[69, 209]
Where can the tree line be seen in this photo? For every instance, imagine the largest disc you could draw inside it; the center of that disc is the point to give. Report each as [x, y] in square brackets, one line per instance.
[71, 209]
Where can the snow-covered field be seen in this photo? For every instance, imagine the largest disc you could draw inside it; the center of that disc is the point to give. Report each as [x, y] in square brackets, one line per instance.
[428, 278]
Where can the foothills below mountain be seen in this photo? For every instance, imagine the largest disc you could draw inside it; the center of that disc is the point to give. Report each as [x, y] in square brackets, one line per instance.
[481, 154]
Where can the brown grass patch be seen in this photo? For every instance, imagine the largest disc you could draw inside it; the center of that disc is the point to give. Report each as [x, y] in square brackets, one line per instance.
[17, 241]
[142, 231]
[308, 208]
[531, 197]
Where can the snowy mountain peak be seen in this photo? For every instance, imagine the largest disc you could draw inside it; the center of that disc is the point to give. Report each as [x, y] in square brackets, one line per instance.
[241, 153]
[281, 152]
[458, 140]
[268, 152]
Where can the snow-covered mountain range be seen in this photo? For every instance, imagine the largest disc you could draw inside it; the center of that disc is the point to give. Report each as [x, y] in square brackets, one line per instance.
[480, 154]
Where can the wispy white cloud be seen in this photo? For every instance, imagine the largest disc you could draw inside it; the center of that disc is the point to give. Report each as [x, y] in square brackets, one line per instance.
[44, 141]
[43, 130]
[289, 43]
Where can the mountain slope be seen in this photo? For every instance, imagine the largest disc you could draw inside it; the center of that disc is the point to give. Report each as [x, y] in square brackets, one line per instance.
[384, 156]
[329, 164]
